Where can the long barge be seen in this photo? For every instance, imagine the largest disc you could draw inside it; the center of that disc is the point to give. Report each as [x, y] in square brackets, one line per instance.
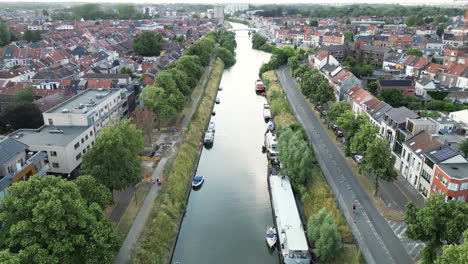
[292, 241]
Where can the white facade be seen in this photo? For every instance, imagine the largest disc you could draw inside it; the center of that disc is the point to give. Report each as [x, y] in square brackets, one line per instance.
[218, 12]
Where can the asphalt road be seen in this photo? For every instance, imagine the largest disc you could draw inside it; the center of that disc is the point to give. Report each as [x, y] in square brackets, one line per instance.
[375, 238]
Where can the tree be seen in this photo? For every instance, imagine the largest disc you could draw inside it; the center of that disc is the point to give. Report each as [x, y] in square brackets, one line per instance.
[93, 192]
[5, 35]
[284, 54]
[113, 160]
[25, 94]
[202, 48]
[32, 36]
[180, 38]
[191, 65]
[454, 254]
[295, 155]
[293, 63]
[322, 230]
[348, 35]
[313, 23]
[336, 110]
[379, 161]
[350, 123]
[126, 70]
[392, 96]
[258, 41]
[372, 87]
[23, 115]
[299, 72]
[147, 44]
[225, 55]
[414, 52]
[46, 220]
[464, 148]
[440, 31]
[437, 222]
[157, 100]
[364, 136]
[144, 120]
[182, 81]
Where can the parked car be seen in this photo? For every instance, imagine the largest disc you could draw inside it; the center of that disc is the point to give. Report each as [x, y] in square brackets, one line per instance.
[211, 127]
[334, 127]
[339, 133]
[218, 100]
[357, 158]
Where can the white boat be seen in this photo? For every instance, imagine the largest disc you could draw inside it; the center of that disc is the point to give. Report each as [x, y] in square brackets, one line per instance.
[209, 137]
[211, 126]
[271, 144]
[271, 126]
[197, 181]
[266, 112]
[271, 236]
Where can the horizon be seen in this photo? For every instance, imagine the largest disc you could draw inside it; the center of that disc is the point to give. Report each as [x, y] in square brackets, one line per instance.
[461, 3]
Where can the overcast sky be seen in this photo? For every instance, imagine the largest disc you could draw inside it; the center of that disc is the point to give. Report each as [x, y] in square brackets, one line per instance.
[451, 2]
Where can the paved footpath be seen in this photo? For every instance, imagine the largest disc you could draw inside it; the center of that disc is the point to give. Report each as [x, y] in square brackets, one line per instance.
[139, 222]
[376, 239]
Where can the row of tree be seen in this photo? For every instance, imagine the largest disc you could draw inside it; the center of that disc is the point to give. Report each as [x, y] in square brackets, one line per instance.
[360, 137]
[96, 11]
[173, 86]
[358, 69]
[298, 160]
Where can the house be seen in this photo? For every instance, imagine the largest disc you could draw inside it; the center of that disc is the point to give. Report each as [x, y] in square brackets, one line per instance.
[407, 86]
[377, 112]
[373, 54]
[343, 80]
[17, 163]
[122, 80]
[412, 157]
[440, 155]
[394, 120]
[414, 67]
[452, 180]
[422, 86]
[434, 46]
[319, 60]
[394, 62]
[358, 97]
[426, 30]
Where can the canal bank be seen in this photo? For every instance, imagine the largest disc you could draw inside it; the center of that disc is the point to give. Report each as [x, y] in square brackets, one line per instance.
[161, 227]
[227, 217]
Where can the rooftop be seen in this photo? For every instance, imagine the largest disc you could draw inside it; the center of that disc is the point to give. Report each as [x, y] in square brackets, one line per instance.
[48, 135]
[9, 148]
[455, 170]
[89, 98]
[440, 154]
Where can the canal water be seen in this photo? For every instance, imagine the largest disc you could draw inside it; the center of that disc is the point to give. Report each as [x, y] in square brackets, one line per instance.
[227, 217]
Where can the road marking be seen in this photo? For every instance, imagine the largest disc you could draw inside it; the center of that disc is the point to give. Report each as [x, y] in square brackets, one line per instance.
[402, 233]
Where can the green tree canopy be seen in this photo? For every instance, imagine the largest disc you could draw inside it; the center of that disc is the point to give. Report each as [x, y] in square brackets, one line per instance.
[464, 148]
[379, 161]
[157, 100]
[295, 155]
[202, 48]
[147, 44]
[93, 192]
[46, 220]
[21, 115]
[293, 63]
[191, 65]
[25, 94]
[350, 123]
[364, 136]
[299, 72]
[321, 228]
[5, 34]
[414, 52]
[225, 55]
[372, 87]
[348, 35]
[337, 109]
[315, 87]
[32, 36]
[113, 160]
[258, 41]
[436, 222]
[454, 254]
[392, 96]
[126, 70]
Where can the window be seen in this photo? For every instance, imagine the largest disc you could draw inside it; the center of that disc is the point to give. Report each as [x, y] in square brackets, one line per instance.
[426, 176]
[437, 174]
[84, 151]
[453, 186]
[461, 198]
[404, 152]
[464, 186]
[82, 140]
[443, 180]
[78, 156]
[92, 143]
[86, 137]
[433, 187]
[55, 165]
[51, 122]
[77, 145]
[419, 166]
[90, 133]
[53, 153]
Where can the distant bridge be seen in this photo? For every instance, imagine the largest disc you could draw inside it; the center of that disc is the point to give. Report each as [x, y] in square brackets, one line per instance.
[244, 29]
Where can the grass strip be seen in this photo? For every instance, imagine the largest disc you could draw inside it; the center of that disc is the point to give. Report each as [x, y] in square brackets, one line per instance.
[318, 194]
[157, 239]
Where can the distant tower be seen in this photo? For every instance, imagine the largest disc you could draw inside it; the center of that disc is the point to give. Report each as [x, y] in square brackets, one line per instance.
[219, 12]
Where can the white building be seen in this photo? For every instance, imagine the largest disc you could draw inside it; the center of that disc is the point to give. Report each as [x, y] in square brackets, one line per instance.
[218, 12]
[71, 127]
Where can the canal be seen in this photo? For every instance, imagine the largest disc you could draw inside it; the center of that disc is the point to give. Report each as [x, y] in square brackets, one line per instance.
[227, 217]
